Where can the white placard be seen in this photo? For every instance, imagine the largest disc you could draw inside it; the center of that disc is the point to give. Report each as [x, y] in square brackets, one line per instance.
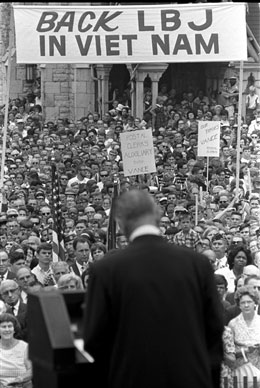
[208, 138]
[131, 33]
[137, 152]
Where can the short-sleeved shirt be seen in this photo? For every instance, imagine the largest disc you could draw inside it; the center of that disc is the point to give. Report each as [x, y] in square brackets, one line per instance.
[189, 240]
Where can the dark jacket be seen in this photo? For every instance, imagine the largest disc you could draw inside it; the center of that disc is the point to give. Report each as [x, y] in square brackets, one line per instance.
[22, 319]
[153, 317]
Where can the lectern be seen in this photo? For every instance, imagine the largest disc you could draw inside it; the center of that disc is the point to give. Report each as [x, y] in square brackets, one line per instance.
[54, 328]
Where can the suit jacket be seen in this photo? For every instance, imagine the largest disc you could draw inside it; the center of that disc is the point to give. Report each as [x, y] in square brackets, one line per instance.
[74, 268]
[10, 275]
[153, 317]
[22, 319]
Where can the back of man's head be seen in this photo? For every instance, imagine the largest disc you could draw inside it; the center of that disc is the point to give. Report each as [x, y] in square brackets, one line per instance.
[135, 208]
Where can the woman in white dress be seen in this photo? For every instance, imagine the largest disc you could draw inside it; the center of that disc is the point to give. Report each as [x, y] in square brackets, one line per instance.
[15, 367]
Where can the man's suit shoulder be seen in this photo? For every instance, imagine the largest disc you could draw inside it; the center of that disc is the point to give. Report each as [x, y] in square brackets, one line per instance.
[10, 275]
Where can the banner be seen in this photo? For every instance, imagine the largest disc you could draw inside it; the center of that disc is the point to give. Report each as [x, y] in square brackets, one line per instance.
[208, 138]
[131, 34]
[137, 152]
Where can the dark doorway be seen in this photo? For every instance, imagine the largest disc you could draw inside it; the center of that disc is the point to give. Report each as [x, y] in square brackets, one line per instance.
[119, 84]
[184, 77]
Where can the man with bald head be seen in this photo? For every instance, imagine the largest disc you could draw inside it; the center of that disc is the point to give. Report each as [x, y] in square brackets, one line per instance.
[152, 308]
[250, 270]
[211, 255]
[11, 295]
[23, 277]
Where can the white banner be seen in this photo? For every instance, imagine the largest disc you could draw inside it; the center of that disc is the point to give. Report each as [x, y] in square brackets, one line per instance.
[137, 152]
[131, 34]
[209, 138]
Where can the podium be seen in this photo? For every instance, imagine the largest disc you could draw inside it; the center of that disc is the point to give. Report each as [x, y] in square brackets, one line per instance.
[54, 328]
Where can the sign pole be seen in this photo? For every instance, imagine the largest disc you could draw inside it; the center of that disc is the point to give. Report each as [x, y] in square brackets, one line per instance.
[239, 125]
[207, 174]
[10, 48]
[196, 209]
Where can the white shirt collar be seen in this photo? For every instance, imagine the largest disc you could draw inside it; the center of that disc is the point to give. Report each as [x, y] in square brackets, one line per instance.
[144, 230]
[80, 267]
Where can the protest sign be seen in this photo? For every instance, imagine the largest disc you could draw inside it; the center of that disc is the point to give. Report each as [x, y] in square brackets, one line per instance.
[137, 152]
[131, 33]
[208, 138]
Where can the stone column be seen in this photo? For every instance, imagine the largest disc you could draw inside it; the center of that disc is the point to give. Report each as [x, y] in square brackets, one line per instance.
[103, 75]
[139, 93]
[155, 71]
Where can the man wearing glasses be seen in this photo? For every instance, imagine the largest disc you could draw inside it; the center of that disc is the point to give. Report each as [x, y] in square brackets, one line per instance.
[104, 175]
[11, 295]
[63, 182]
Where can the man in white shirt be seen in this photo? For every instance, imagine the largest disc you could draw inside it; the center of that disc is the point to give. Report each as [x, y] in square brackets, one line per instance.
[219, 246]
[255, 124]
[43, 270]
[81, 176]
[252, 101]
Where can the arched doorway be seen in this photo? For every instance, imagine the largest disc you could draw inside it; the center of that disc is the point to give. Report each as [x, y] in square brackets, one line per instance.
[184, 77]
[119, 85]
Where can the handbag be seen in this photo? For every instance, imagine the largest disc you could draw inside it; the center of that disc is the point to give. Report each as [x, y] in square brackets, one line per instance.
[249, 371]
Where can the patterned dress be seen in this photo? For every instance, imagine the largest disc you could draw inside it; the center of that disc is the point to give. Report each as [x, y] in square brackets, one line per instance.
[229, 348]
[245, 335]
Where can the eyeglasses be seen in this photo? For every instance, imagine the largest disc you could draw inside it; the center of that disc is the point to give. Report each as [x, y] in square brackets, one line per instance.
[12, 291]
[45, 214]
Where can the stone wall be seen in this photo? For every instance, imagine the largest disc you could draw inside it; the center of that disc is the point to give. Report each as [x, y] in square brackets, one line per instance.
[68, 91]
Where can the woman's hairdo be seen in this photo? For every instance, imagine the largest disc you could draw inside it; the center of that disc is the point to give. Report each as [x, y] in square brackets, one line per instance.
[246, 290]
[6, 317]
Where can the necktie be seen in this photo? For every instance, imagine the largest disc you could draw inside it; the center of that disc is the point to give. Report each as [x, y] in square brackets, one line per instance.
[13, 310]
[1, 278]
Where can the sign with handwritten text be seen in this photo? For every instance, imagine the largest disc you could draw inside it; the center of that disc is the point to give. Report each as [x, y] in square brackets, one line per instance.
[209, 138]
[137, 152]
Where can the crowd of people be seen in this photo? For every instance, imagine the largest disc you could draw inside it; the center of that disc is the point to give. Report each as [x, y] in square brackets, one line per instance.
[204, 213]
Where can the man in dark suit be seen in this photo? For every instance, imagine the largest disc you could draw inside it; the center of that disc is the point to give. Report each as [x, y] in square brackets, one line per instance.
[152, 313]
[11, 295]
[5, 273]
[81, 248]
